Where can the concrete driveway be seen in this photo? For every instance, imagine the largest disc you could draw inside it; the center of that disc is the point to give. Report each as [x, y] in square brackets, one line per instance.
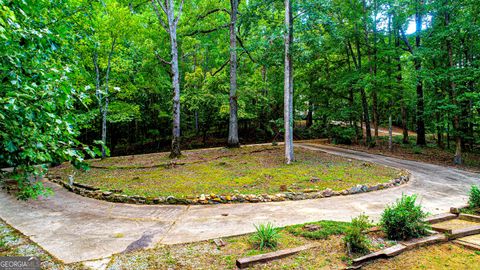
[74, 228]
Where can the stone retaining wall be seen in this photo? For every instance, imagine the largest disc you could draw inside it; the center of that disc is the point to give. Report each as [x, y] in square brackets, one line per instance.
[116, 196]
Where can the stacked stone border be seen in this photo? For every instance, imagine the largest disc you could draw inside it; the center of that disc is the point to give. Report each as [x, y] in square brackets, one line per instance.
[117, 197]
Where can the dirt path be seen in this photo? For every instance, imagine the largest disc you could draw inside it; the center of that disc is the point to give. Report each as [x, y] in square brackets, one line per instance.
[75, 228]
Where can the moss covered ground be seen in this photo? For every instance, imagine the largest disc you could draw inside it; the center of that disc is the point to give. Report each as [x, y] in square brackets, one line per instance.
[221, 171]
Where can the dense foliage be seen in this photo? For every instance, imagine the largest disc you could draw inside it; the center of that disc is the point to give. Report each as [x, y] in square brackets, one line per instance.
[78, 71]
[355, 63]
[474, 198]
[37, 99]
[404, 219]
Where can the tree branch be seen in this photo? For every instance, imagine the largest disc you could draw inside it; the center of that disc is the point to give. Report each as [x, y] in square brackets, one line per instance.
[220, 69]
[223, 66]
[246, 51]
[163, 61]
[207, 31]
[163, 6]
[159, 16]
[405, 40]
[212, 11]
[179, 13]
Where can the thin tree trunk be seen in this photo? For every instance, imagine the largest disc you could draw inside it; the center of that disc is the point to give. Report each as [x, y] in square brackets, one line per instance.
[233, 122]
[104, 128]
[390, 140]
[366, 117]
[403, 109]
[288, 85]
[309, 120]
[439, 131]
[196, 122]
[98, 94]
[375, 112]
[418, 66]
[376, 116]
[456, 119]
[351, 100]
[105, 108]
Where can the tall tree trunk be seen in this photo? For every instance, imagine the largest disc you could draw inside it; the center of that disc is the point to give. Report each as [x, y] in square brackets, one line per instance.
[418, 66]
[353, 119]
[103, 99]
[175, 152]
[105, 108]
[366, 117]
[233, 122]
[375, 112]
[309, 120]
[439, 131]
[168, 7]
[104, 128]
[376, 116]
[98, 94]
[403, 109]
[456, 118]
[288, 85]
[390, 134]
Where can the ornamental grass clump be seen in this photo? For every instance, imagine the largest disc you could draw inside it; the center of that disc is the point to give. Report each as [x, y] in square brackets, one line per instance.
[355, 237]
[266, 236]
[404, 219]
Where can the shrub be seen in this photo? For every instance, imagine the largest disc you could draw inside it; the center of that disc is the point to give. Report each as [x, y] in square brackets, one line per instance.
[342, 135]
[474, 198]
[404, 219]
[355, 238]
[266, 236]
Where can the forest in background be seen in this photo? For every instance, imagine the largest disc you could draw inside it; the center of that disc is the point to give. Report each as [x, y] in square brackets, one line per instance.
[78, 74]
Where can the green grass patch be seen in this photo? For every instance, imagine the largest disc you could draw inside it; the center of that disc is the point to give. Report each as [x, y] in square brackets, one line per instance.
[3, 244]
[248, 170]
[326, 228]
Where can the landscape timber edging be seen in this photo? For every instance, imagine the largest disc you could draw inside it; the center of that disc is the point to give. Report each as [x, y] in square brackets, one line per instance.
[398, 249]
[275, 255]
[435, 237]
[117, 197]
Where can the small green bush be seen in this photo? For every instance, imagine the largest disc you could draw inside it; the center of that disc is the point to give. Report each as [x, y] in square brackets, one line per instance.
[342, 135]
[474, 198]
[355, 237]
[266, 236]
[404, 219]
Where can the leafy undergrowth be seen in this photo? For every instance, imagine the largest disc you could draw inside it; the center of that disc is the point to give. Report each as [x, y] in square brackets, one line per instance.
[248, 170]
[430, 153]
[13, 243]
[437, 257]
[470, 211]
